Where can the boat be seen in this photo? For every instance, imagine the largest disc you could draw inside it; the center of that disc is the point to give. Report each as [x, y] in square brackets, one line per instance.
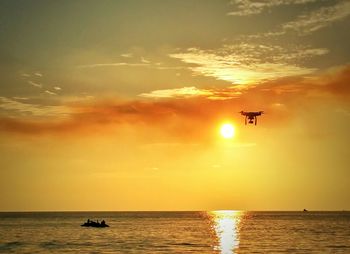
[95, 224]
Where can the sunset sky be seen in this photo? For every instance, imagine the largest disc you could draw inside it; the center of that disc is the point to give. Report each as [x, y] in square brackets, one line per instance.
[118, 105]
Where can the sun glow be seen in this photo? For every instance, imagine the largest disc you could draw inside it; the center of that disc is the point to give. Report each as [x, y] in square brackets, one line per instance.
[227, 130]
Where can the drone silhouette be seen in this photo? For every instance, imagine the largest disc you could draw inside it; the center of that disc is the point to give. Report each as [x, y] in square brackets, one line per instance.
[251, 116]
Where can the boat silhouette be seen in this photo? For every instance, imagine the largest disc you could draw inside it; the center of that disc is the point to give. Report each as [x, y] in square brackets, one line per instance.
[95, 224]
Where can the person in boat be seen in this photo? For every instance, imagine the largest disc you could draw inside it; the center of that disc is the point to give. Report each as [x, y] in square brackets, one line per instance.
[91, 223]
[88, 223]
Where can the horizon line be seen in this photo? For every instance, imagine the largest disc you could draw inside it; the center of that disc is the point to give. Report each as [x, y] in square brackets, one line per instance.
[121, 211]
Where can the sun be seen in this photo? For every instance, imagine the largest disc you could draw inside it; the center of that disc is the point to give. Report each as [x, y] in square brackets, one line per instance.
[227, 130]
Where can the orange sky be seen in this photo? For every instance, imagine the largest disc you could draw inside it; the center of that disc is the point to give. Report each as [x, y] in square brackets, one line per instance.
[128, 117]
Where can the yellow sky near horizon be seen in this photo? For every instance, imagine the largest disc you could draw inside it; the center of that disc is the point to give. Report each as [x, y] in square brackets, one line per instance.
[173, 157]
[119, 105]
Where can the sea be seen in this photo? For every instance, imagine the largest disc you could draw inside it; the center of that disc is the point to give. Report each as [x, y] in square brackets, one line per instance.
[225, 232]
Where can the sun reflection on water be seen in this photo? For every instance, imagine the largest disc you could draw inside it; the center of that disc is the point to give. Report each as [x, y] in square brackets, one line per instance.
[226, 227]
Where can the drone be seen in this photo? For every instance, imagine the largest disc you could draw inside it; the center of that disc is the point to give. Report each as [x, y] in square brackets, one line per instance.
[251, 116]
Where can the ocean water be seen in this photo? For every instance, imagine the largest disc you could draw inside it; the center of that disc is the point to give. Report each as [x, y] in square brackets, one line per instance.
[225, 232]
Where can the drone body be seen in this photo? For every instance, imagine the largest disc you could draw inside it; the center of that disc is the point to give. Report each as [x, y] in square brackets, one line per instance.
[251, 116]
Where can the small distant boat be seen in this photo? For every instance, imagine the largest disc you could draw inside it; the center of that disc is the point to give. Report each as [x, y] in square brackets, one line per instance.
[95, 224]
[305, 210]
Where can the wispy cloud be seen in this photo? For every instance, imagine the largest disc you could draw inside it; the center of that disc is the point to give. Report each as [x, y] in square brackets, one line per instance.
[323, 17]
[57, 88]
[143, 60]
[127, 55]
[184, 92]
[308, 22]
[247, 63]
[51, 93]
[143, 63]
[191, 91]
[112, 64]
[251, 7]
[35, 84]
[20, 98]
[34, 74]
[26, 109]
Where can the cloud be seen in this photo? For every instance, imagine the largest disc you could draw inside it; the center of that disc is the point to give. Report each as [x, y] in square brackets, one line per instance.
[188, 119]
[20, 98]
[330, 83]
[144, 63]
[191, 91]
[251, 7]
[14, 107]
[112, 64]
[127, 55]
[30, 127]
[323, 17]
[35, 84]
[304, 24]
[51, 93]
[143, 60]
[184, 118]
[184, 92]
[38, 74]
[57, 88]
[247, 63]
[337, 84]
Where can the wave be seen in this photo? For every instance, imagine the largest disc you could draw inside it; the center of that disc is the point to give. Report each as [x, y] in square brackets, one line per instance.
[11, 245]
